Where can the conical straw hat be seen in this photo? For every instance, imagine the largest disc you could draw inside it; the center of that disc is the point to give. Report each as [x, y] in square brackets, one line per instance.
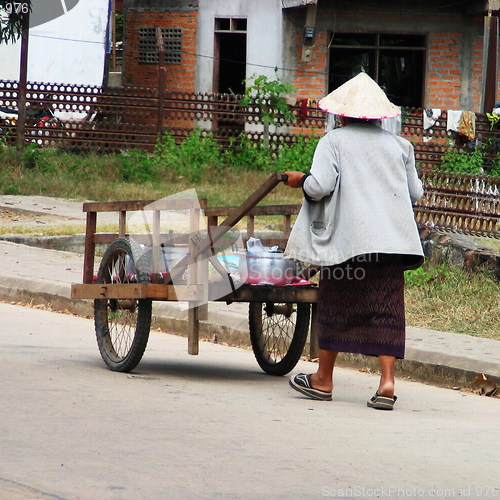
[359, 97]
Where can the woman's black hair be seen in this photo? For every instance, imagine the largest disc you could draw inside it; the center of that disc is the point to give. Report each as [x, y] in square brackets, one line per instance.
[349, 119]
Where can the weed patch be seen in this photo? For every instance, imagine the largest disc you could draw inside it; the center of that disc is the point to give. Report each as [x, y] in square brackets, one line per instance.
[452, 299]
[483, 160]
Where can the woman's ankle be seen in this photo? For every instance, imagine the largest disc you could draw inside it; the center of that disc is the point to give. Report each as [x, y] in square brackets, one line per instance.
[386, 388]
[324, 383]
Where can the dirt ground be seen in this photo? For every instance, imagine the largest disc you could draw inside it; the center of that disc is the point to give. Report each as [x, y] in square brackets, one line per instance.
[20, 218]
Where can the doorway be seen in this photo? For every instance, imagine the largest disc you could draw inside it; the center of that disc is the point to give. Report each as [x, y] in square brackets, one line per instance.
[230, 65]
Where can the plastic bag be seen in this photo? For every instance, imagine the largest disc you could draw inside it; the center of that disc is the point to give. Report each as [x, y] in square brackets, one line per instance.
[254, 245]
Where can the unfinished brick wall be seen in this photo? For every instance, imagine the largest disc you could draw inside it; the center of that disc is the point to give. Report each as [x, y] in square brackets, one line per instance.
[309, 79]
[443, 75]
[177, 77]
[309, 75]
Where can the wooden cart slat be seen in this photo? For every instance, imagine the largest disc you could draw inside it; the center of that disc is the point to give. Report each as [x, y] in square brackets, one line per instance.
[137, 291]
[194, 293]
[108, 238]
[258, 210]
[137, 205]
[273, 293]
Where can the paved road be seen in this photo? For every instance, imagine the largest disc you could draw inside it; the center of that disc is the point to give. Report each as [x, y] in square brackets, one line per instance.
[214, 426]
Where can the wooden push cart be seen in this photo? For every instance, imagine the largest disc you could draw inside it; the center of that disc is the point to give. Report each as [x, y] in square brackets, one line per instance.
[130, 278]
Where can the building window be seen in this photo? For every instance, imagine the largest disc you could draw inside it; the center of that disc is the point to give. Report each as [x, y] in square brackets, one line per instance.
[235, 24]
[148, 47]
[396, 62]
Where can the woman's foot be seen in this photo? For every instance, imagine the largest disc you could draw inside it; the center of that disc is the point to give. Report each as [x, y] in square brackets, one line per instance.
[381, 402]
[386, 384]
[303, 383]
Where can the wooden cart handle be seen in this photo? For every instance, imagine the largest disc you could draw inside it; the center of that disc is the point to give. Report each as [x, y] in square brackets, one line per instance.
[217, 232]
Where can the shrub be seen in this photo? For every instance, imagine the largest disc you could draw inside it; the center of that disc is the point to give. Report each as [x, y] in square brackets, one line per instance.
[138, 166]
[268, 96]
[483, 160]
[463, 162]
[298, 155]
[425, 275]
[248, 155]
[197, 152]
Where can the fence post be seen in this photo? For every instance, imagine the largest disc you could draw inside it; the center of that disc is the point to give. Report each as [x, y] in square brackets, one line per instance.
[161, 78]
[23, 76]
[490, 57]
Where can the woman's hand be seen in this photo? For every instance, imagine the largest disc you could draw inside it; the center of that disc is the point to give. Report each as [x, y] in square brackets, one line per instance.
[294, 179]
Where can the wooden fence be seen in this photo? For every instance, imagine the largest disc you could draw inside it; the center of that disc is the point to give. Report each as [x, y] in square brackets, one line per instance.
[117, 119]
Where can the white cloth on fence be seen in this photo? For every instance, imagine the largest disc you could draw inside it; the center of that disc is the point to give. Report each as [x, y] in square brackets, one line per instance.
[453, 120]
[431, 116]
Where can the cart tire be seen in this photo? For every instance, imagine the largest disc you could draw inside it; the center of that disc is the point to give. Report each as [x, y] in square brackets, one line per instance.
[122, 326]
[278, 333]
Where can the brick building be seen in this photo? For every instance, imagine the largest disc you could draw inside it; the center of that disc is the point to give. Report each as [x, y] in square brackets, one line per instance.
[426, 54]
[178, 21]
[432, 53]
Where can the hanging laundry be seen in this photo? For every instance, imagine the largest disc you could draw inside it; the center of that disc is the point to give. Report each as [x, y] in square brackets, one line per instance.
[453, 119]
[304, 108]
[431, 116]
[467, 125]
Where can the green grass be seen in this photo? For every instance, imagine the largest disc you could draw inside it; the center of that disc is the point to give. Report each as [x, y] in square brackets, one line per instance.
[493, 243]
[451, 299]
[108, 177]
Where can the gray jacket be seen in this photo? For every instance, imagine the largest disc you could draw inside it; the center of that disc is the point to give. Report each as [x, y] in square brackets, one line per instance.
[359, 198]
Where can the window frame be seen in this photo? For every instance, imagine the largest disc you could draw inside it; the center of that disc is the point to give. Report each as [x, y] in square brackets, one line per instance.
[376, 48]
[234, 24]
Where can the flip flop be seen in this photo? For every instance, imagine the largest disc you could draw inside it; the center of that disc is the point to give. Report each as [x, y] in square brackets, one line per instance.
[381, 402]
[302, 384]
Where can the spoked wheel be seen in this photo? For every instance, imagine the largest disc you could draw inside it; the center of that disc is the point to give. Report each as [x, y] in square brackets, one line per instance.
[122, 325]
[278, 333]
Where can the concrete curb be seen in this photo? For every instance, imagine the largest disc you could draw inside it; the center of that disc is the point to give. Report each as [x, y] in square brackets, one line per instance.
[420, 364]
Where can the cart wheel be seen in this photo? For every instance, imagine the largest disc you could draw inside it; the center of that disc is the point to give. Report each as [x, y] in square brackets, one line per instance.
[122, 326]
[278, 333]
